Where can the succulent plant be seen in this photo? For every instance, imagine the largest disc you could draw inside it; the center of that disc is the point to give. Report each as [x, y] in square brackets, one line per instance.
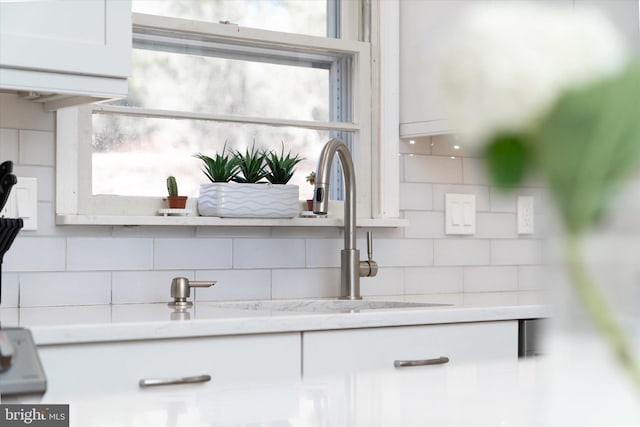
[280, 168]
[221, 168]
[251, 165]
[172, 186]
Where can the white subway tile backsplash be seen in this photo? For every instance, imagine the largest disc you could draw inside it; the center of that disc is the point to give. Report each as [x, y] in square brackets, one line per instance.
[324, 252]
[490, 279]
[234, 285]
[144, 286]
[268, 253]
[430, 280]
[502, 201]
[37, 148]
[21, 114]
[388, 281]
[192, 253]
[164, 232]
[474, 171]
[481, 193]
[461, 252]
[10, 290]
[306, 232]
[9, 145]
[516, 252]
[233, 232]
[305, 283]
[432, 169]
[379, 233]
[532, 278]
[402, 252]
[35, 254]
[425, 224]
[62, 288]
[416, 196]
[496, 225]
[109, 254]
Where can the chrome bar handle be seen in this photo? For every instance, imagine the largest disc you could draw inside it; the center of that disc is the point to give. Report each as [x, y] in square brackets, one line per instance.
[369, 246]
[425, 362]
[155, 382]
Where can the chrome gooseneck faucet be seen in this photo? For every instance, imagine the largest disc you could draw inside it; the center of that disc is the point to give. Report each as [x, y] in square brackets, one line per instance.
[350, 265]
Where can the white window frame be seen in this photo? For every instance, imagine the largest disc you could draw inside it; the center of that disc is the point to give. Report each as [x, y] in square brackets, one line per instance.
[377, 164]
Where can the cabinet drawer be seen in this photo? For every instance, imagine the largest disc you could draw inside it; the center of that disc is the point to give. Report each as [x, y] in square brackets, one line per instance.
[329, 352]
[73, 370]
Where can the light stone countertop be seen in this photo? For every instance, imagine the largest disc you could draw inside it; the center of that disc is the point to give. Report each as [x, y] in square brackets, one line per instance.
[104, 323]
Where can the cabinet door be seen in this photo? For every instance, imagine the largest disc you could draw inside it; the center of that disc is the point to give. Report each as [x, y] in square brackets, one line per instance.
[76, 370]
[353, 350]
[88, 37]
[423, 24]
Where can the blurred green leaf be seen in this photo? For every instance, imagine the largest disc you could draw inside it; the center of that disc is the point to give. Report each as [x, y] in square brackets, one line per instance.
[588, 143]
[507, 158]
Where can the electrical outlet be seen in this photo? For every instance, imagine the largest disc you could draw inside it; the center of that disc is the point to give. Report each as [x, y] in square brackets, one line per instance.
[525, 215]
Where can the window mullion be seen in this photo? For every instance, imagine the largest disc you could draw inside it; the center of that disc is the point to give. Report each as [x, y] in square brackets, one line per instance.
[219, 49]
[173, 114]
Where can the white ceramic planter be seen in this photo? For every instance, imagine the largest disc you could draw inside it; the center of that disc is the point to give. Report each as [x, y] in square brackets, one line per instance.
[233, 200]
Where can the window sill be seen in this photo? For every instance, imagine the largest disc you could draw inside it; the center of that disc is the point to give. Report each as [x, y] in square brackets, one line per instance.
[224, 222]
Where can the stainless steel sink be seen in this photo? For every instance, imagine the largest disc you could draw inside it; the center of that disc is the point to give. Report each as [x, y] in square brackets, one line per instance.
[320, 305]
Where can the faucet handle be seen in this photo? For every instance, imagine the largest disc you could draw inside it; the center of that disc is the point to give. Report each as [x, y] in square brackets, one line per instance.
[369, 268]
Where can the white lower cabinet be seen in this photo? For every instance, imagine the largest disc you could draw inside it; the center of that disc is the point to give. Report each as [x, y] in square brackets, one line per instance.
[81, 369]
[354, 350]
[118, 367]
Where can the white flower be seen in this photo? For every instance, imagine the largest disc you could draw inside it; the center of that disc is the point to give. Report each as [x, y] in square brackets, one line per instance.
[506, 63]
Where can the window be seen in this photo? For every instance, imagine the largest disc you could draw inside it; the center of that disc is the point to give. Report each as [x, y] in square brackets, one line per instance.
[200, 84]
[311, 17]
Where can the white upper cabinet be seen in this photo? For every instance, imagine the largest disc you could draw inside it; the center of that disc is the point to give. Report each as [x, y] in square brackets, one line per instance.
[76, 48]
[423, 24]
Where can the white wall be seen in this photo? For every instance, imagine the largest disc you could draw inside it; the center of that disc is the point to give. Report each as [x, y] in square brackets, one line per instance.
[59, 265]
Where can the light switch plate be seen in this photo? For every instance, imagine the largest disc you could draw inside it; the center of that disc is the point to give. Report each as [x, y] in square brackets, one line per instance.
[23, 203]
[460, 214]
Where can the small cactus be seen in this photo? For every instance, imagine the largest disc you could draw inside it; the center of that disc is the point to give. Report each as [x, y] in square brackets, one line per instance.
[172, 186]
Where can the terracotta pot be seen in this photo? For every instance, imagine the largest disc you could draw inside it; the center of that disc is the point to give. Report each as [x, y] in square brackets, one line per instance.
[177, 202]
